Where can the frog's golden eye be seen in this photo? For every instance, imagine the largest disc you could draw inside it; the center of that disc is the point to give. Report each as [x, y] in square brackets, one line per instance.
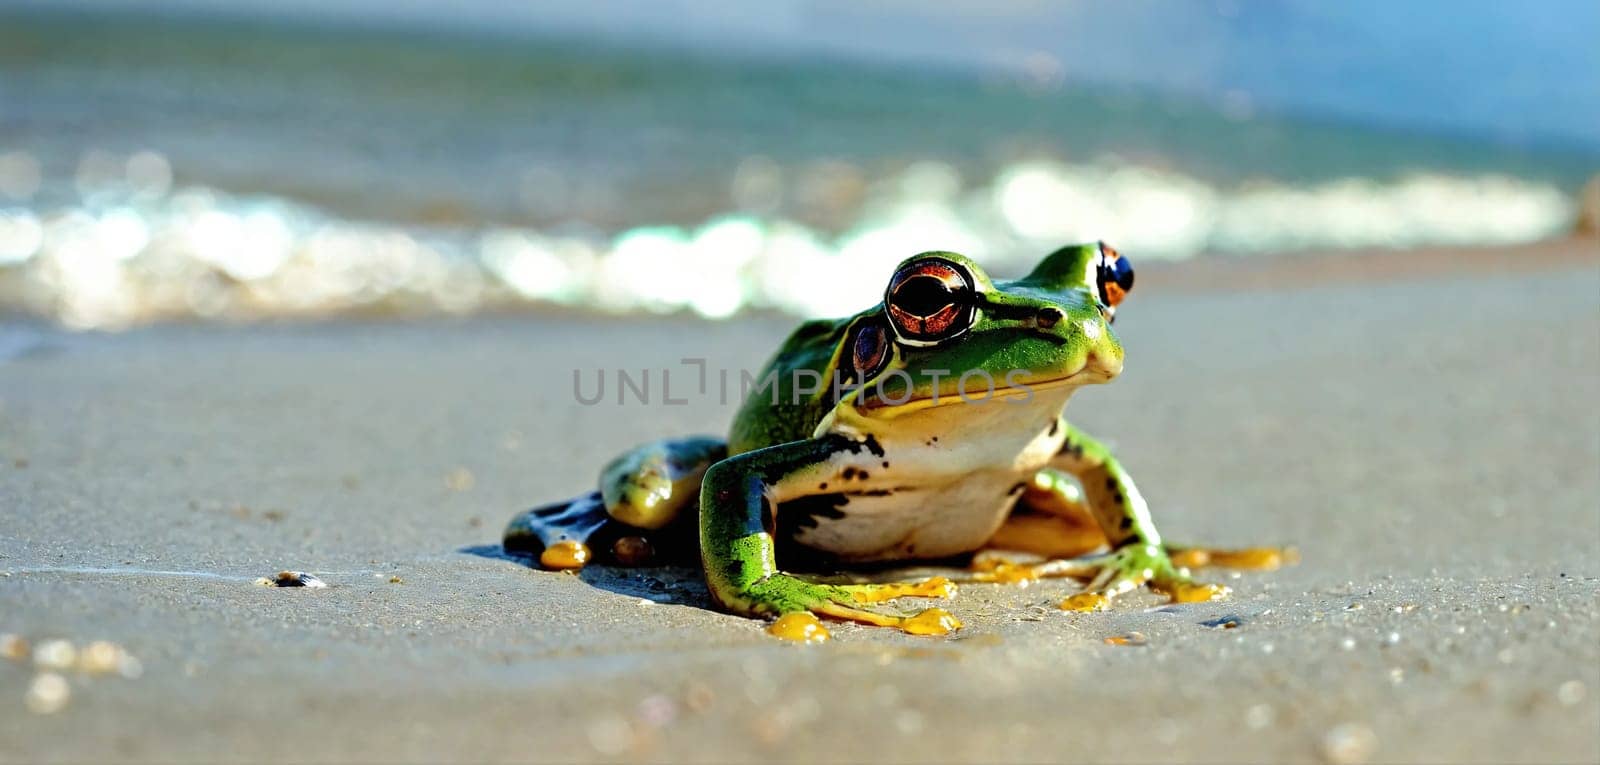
[930, 300]
[1114, 275]
[869, 351]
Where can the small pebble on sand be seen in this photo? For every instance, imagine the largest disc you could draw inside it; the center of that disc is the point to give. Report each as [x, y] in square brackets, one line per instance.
[1571, 693]
[292, 579]
[48, 693]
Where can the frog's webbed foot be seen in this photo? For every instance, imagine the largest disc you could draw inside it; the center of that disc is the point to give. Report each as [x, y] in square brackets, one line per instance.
[566, 536]
[1108, 575]
[785, 595]
[994, 567]
[1165, 569]
[1138, 565]
[562, 534]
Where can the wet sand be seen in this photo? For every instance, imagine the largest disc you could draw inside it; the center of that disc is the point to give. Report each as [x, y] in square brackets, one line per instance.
[1431, 445]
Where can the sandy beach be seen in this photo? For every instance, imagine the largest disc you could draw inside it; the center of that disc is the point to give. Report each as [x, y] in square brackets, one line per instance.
[1429, 440]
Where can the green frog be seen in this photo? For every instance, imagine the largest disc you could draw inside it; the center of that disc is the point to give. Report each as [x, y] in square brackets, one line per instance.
[928, 427]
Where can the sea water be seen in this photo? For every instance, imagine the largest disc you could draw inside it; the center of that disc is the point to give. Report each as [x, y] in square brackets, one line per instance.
[181, 169]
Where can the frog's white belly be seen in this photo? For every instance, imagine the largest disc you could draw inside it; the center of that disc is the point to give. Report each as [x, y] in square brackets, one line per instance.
[913, 521]
[944, 483]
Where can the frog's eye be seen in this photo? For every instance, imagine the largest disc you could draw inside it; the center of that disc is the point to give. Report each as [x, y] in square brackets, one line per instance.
[930, 300]
[869, 351]
[1114, 275]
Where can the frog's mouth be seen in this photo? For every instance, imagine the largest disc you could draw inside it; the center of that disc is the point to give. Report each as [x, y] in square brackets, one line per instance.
[1088, 374]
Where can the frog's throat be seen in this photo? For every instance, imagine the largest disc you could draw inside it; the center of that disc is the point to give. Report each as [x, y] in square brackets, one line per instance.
[850, 410]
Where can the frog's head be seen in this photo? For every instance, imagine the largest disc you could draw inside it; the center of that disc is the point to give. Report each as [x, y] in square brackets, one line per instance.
[946, 333]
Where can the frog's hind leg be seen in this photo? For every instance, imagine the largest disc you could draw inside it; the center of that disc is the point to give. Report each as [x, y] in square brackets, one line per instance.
[1051, 519]
[649, 486]
[1138, 557]
[1056, 520]
[637, 516]
[568, 535]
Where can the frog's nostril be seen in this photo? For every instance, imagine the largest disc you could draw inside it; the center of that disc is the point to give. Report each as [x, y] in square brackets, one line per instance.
[1049, 316]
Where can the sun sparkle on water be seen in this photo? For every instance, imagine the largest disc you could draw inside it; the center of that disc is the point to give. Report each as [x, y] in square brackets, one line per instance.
[129, 247]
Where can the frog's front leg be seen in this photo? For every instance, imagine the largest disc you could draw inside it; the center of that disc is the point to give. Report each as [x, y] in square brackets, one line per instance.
[737, 518]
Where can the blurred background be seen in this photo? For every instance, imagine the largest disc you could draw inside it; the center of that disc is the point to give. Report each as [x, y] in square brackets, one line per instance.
[255, 159]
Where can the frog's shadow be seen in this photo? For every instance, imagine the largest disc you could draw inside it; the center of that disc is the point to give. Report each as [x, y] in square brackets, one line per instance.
[686, 586]
[677, 585]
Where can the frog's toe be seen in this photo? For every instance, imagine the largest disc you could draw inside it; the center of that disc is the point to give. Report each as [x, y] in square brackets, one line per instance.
[1115, 578]
[998, 569]
[930, 621]
[1187, 591]
[1249, 558]
[783, 595]
[1088, 601]
[935, 587]
[1138, 566]
[560, 534]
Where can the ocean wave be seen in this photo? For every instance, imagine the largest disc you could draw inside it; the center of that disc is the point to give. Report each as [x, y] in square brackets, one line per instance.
[129, 248]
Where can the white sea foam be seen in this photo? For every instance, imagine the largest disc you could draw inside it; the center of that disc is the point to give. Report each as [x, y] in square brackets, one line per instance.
[131, 249]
